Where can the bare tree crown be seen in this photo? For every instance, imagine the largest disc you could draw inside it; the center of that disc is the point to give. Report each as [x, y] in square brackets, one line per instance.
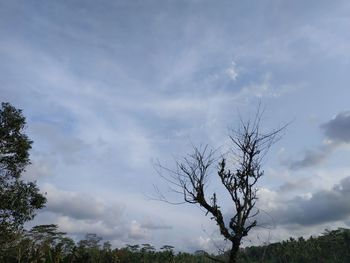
[239, 178]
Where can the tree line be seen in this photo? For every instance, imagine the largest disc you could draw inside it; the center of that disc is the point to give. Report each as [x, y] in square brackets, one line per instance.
[45, 243]
[333, 246]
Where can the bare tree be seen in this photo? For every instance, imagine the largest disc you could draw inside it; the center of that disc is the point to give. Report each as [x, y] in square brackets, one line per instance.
[239, 177]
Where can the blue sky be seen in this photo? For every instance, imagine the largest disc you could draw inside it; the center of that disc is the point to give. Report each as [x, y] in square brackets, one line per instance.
[109, 87]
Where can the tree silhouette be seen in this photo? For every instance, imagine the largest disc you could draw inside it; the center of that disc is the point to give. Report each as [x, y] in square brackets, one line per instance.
[18, 199]
[239, 176]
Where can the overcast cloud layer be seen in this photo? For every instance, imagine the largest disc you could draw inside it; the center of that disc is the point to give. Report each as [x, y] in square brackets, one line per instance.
[109, 87]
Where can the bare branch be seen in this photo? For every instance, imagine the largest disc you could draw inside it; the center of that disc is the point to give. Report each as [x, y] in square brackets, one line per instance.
[239, 178]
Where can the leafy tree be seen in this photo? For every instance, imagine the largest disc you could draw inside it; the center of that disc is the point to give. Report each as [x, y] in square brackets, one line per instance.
[91, 241]
[18, 199]
[48, 242]
[89, 248]
[238, 176]
[168, 253]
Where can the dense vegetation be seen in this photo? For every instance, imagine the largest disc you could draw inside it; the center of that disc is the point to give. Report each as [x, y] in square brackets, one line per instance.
[331, 246]
[45, 243]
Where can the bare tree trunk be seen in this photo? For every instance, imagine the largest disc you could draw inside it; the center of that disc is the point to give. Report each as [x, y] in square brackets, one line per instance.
[234, 252]
[19, 255]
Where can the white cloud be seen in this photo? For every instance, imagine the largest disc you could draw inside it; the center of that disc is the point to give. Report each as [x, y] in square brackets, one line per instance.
[137, 231]
[40, 168]
[231, 71]
[80, 205]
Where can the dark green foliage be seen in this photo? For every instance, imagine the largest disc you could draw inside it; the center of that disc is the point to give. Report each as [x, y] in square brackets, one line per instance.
[332, 246]
[18, 199]
[137, 254]
[45, 243]
[14, 144]
[48, 242]
[89, 248]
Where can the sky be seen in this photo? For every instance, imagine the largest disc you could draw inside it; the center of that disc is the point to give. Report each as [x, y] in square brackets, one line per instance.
[111, 88]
